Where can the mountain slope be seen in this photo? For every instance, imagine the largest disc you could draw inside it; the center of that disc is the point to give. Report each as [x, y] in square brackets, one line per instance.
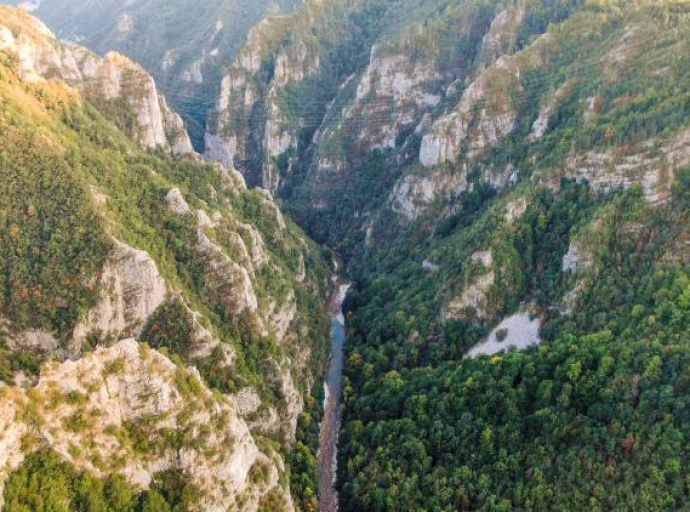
[312, 112]
[106, 242]
[114, 81]
[183, 44]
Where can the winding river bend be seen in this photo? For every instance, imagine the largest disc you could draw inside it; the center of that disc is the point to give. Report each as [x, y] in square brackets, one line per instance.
[330, 426]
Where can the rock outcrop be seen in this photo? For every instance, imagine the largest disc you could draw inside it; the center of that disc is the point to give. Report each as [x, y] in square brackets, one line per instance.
[90, 412]
[237, 129]
[218, 279]
[131, 289]
[40, 56]
[393, 94]
[651, 166]
[577, 259]
[231, 283]
[474, 297]
[484, 116]
[12, 432]
[416, 191]
[501, 39]
[176, 202]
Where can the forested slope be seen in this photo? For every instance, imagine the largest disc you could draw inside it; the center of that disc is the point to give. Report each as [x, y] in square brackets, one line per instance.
[161, 324]
[577, 216]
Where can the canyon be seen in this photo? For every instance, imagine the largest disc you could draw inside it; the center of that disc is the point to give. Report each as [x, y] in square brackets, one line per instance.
[505, 181]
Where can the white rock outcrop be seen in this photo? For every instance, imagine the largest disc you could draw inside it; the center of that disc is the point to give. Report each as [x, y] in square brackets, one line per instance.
[219, 149]
[255, 245]
[131, 289]
[177, 203]
[652, 167]
[548, 106]
[12, 432]
[415, 192]
[475, 294]
[481, 120]
[393, 94]
[515, 210]
[502, 35]
[577, 259]
[230, 281]
[125, 385]
[41, 56]
[518, 331]
[34, 340]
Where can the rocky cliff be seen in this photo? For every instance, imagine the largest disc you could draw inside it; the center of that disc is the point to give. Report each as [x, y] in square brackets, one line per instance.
[96, 412]
[468, 160]
[429, 115]
[253, 120]
[113, 78]
[185, 49]
[489, 169]
[324, 118]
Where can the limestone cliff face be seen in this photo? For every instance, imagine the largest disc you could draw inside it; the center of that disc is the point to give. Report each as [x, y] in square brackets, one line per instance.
[239, 130]
[414, 192]
[185, 49]
[131, 289]
[484, 115]
[202, 268]
[293, 65]
[234, 287]
[390, 99]
[490, 110]
[227, 143]
[128, 384]
[13, 431]
[233, 272]
[501, 38]
[437, 124]
[652, 167]
[395, 90]
[404, 93]
[40, 56]
[455, 141]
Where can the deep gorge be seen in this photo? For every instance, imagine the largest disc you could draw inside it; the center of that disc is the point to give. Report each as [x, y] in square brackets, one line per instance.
[513, 171]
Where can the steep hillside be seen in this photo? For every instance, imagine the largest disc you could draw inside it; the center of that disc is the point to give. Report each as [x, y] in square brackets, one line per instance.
[514, 211]
[184, 44]
[158, 320]
[328, 107]
[114, 82]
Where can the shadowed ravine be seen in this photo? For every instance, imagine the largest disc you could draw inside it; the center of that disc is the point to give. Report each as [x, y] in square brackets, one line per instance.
[330, 426]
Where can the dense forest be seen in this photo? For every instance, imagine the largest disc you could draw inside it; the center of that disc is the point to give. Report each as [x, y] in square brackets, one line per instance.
[594, 418]
[45, 483]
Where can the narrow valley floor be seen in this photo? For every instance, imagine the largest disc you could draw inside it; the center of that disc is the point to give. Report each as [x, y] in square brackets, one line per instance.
[330, 426]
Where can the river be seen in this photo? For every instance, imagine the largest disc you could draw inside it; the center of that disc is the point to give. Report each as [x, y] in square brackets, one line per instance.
[330, 426]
